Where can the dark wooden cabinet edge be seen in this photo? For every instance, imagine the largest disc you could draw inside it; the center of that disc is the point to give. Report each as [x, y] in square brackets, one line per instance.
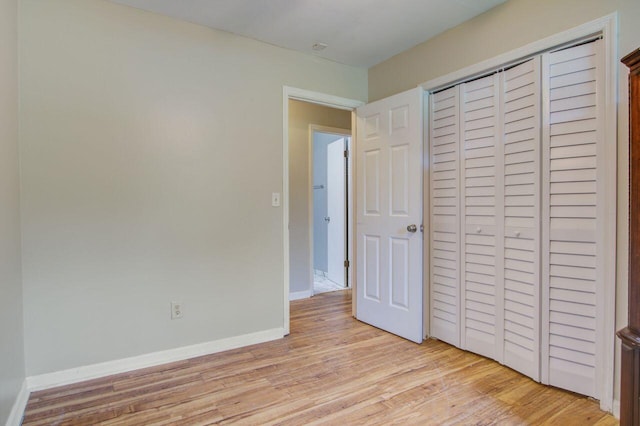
[632, 59]
[629, 337]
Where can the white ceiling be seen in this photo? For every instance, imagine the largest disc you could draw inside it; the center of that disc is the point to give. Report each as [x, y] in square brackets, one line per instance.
[358, 32]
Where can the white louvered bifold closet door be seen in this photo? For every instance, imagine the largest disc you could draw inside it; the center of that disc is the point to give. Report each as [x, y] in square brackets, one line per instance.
[518, 209]
[521, 150]
[480, 265]
[573, 175]
[444, 128]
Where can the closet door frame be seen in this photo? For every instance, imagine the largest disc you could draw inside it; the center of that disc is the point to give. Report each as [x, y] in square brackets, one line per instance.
[607, 28]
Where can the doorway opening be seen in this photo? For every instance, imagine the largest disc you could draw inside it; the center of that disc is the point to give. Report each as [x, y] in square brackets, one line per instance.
[305, 120]
[330, 209]
[297, 186]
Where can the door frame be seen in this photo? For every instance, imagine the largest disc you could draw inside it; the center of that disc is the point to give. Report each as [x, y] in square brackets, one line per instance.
[607, 27]
[346, 133]
[292, 93]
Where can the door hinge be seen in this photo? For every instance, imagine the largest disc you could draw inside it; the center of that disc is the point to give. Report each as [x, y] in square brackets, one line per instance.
[346, 153]
[346, 263]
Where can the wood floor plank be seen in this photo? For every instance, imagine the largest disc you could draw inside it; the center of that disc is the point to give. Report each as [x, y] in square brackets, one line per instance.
[331, 370]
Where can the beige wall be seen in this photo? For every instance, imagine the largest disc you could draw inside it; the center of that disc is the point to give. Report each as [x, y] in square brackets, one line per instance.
[301, 115]
[150, 148]
[502, 29]
[507, 27]
[11, 330]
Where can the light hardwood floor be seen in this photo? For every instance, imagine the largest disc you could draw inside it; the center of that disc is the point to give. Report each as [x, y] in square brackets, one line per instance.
[331, 370]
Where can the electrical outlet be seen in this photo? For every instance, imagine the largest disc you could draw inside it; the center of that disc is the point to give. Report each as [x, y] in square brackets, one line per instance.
[176, 310]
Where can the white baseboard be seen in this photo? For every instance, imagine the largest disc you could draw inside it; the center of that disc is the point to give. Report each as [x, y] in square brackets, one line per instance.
[616, 409]
[94, 371]
[20, 404]
[296, 295]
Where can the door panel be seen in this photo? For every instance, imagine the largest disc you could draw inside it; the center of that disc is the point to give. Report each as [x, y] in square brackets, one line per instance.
[399, 278]
[444, 206]
[336, 211]
[573, 171]
[371, 182]
[371, 270]
[521, 118]
[481, 283]
[389, 178]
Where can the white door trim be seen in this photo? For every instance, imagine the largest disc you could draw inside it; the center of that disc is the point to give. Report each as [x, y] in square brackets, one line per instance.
[607, 27]
[315, 98]
[315, 128]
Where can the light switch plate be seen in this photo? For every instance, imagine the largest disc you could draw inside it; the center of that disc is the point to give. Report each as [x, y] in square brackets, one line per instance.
[275, 199]
[176, 310]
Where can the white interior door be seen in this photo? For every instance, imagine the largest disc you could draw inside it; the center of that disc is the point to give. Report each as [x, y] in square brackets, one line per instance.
[389, 215]
[336, 211]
